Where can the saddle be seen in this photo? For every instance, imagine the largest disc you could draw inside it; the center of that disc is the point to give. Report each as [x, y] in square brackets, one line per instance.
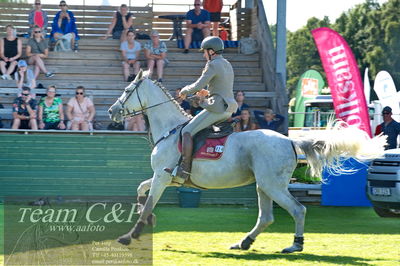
[209, 142]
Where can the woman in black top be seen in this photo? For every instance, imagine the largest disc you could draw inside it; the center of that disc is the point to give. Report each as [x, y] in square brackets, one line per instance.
[10, 52]
[121, 22]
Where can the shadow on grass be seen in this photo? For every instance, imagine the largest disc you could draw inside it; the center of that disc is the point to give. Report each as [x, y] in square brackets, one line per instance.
[319, 219]
[251, 255]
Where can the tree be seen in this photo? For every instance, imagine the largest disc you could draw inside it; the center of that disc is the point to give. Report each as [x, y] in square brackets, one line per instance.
[302, 53]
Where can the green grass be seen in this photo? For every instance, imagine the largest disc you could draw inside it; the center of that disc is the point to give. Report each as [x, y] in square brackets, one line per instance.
[334, 235]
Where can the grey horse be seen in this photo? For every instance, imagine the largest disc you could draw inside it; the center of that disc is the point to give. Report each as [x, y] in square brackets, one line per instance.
[261, 156]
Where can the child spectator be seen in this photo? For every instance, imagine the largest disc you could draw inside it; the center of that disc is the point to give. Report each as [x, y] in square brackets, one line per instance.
[156, 53]
[63, 24]
[38, 17]
[241, 105]
[80, 111]
[37, 49]
[51, 114]
[195, 106]
[183, 103]
[197, 22]
[10, 52]
[135, 123]
[121, 22]
[215, 8]
[24, 111]
[130, 50]
[24, 77]
[245, 123]
[269, 120]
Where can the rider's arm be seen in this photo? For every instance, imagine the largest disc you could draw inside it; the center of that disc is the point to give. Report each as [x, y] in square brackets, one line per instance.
[202, 82]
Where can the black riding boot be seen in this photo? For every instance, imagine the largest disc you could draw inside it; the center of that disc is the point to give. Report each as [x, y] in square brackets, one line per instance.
[183, 170]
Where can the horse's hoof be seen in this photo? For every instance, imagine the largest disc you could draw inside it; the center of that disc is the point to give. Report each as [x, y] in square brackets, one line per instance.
[295, 248]
[124, 240]
[244, 245]
[151, 220]
[236, 246]
[137, 230]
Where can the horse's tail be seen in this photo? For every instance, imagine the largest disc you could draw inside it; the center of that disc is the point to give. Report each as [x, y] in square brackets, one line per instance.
[325, 148]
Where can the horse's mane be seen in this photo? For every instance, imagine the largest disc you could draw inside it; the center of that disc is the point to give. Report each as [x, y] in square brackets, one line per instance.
[175, 102]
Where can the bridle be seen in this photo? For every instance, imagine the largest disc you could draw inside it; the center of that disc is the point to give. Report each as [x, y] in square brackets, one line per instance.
[126, 113]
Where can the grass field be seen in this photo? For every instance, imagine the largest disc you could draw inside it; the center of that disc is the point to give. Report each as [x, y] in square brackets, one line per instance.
[334, 235]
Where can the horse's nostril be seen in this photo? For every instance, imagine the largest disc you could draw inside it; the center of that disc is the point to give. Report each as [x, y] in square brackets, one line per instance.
[110, 111]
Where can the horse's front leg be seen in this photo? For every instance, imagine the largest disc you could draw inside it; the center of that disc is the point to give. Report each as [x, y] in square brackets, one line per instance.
[158, 184]
[142, 197]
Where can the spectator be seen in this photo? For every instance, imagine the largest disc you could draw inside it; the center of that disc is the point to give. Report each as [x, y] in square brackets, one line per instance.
[183, 103]
[80, 111]
[10, 52]
[156, 55]
[37, 50]
[51, 114]
[245, 123]
[135, 123]
[269, 120]
[195, 107]
[215, 8]
[38, 17]
[197, 22]
[241, 105]
[389, 127]
[24, 77]
[130, 50]
[24, 111]
[64, 26]
[121, 22]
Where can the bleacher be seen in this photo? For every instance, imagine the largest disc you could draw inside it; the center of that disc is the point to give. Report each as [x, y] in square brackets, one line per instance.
[97, 65]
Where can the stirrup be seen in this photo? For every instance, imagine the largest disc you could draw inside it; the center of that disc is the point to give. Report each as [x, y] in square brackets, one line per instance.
[178, 174]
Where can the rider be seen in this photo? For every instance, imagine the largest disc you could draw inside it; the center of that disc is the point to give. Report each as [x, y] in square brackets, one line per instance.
[218, 106]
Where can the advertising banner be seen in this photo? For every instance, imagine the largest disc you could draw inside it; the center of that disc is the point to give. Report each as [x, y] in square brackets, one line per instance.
[308, 87]
[344, 78]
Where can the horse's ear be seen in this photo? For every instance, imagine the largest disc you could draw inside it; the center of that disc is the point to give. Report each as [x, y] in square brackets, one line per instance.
[139, 75]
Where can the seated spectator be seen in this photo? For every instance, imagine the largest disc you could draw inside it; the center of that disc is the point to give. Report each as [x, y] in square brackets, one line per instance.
[80, 111]
[51, 113]
[195, 107]
[130, 50]
[24, 77]
[245, 122]
[121, 22]
[197, 22]
[269, 120]
[156, 55]
[24, 111]
[63, 25]
[38, 17]
[183, 103]
[241, 105]
[10, 53]
[215, 8]
[135, 123]
[37, 49]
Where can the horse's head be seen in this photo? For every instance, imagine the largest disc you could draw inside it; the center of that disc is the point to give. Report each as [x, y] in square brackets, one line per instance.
[129, 102]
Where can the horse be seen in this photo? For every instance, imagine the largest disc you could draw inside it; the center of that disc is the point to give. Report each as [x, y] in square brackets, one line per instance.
[264, 157]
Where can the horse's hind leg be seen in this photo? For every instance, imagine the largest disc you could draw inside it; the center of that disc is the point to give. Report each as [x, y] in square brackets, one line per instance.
[282, 197]
[265, 218]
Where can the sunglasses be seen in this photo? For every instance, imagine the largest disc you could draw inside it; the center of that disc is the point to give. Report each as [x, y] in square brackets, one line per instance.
[62, 5]
[197, 5]
[79, 93]
[385, 113]
[37, 4]
[37, 31]
[25, 94]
